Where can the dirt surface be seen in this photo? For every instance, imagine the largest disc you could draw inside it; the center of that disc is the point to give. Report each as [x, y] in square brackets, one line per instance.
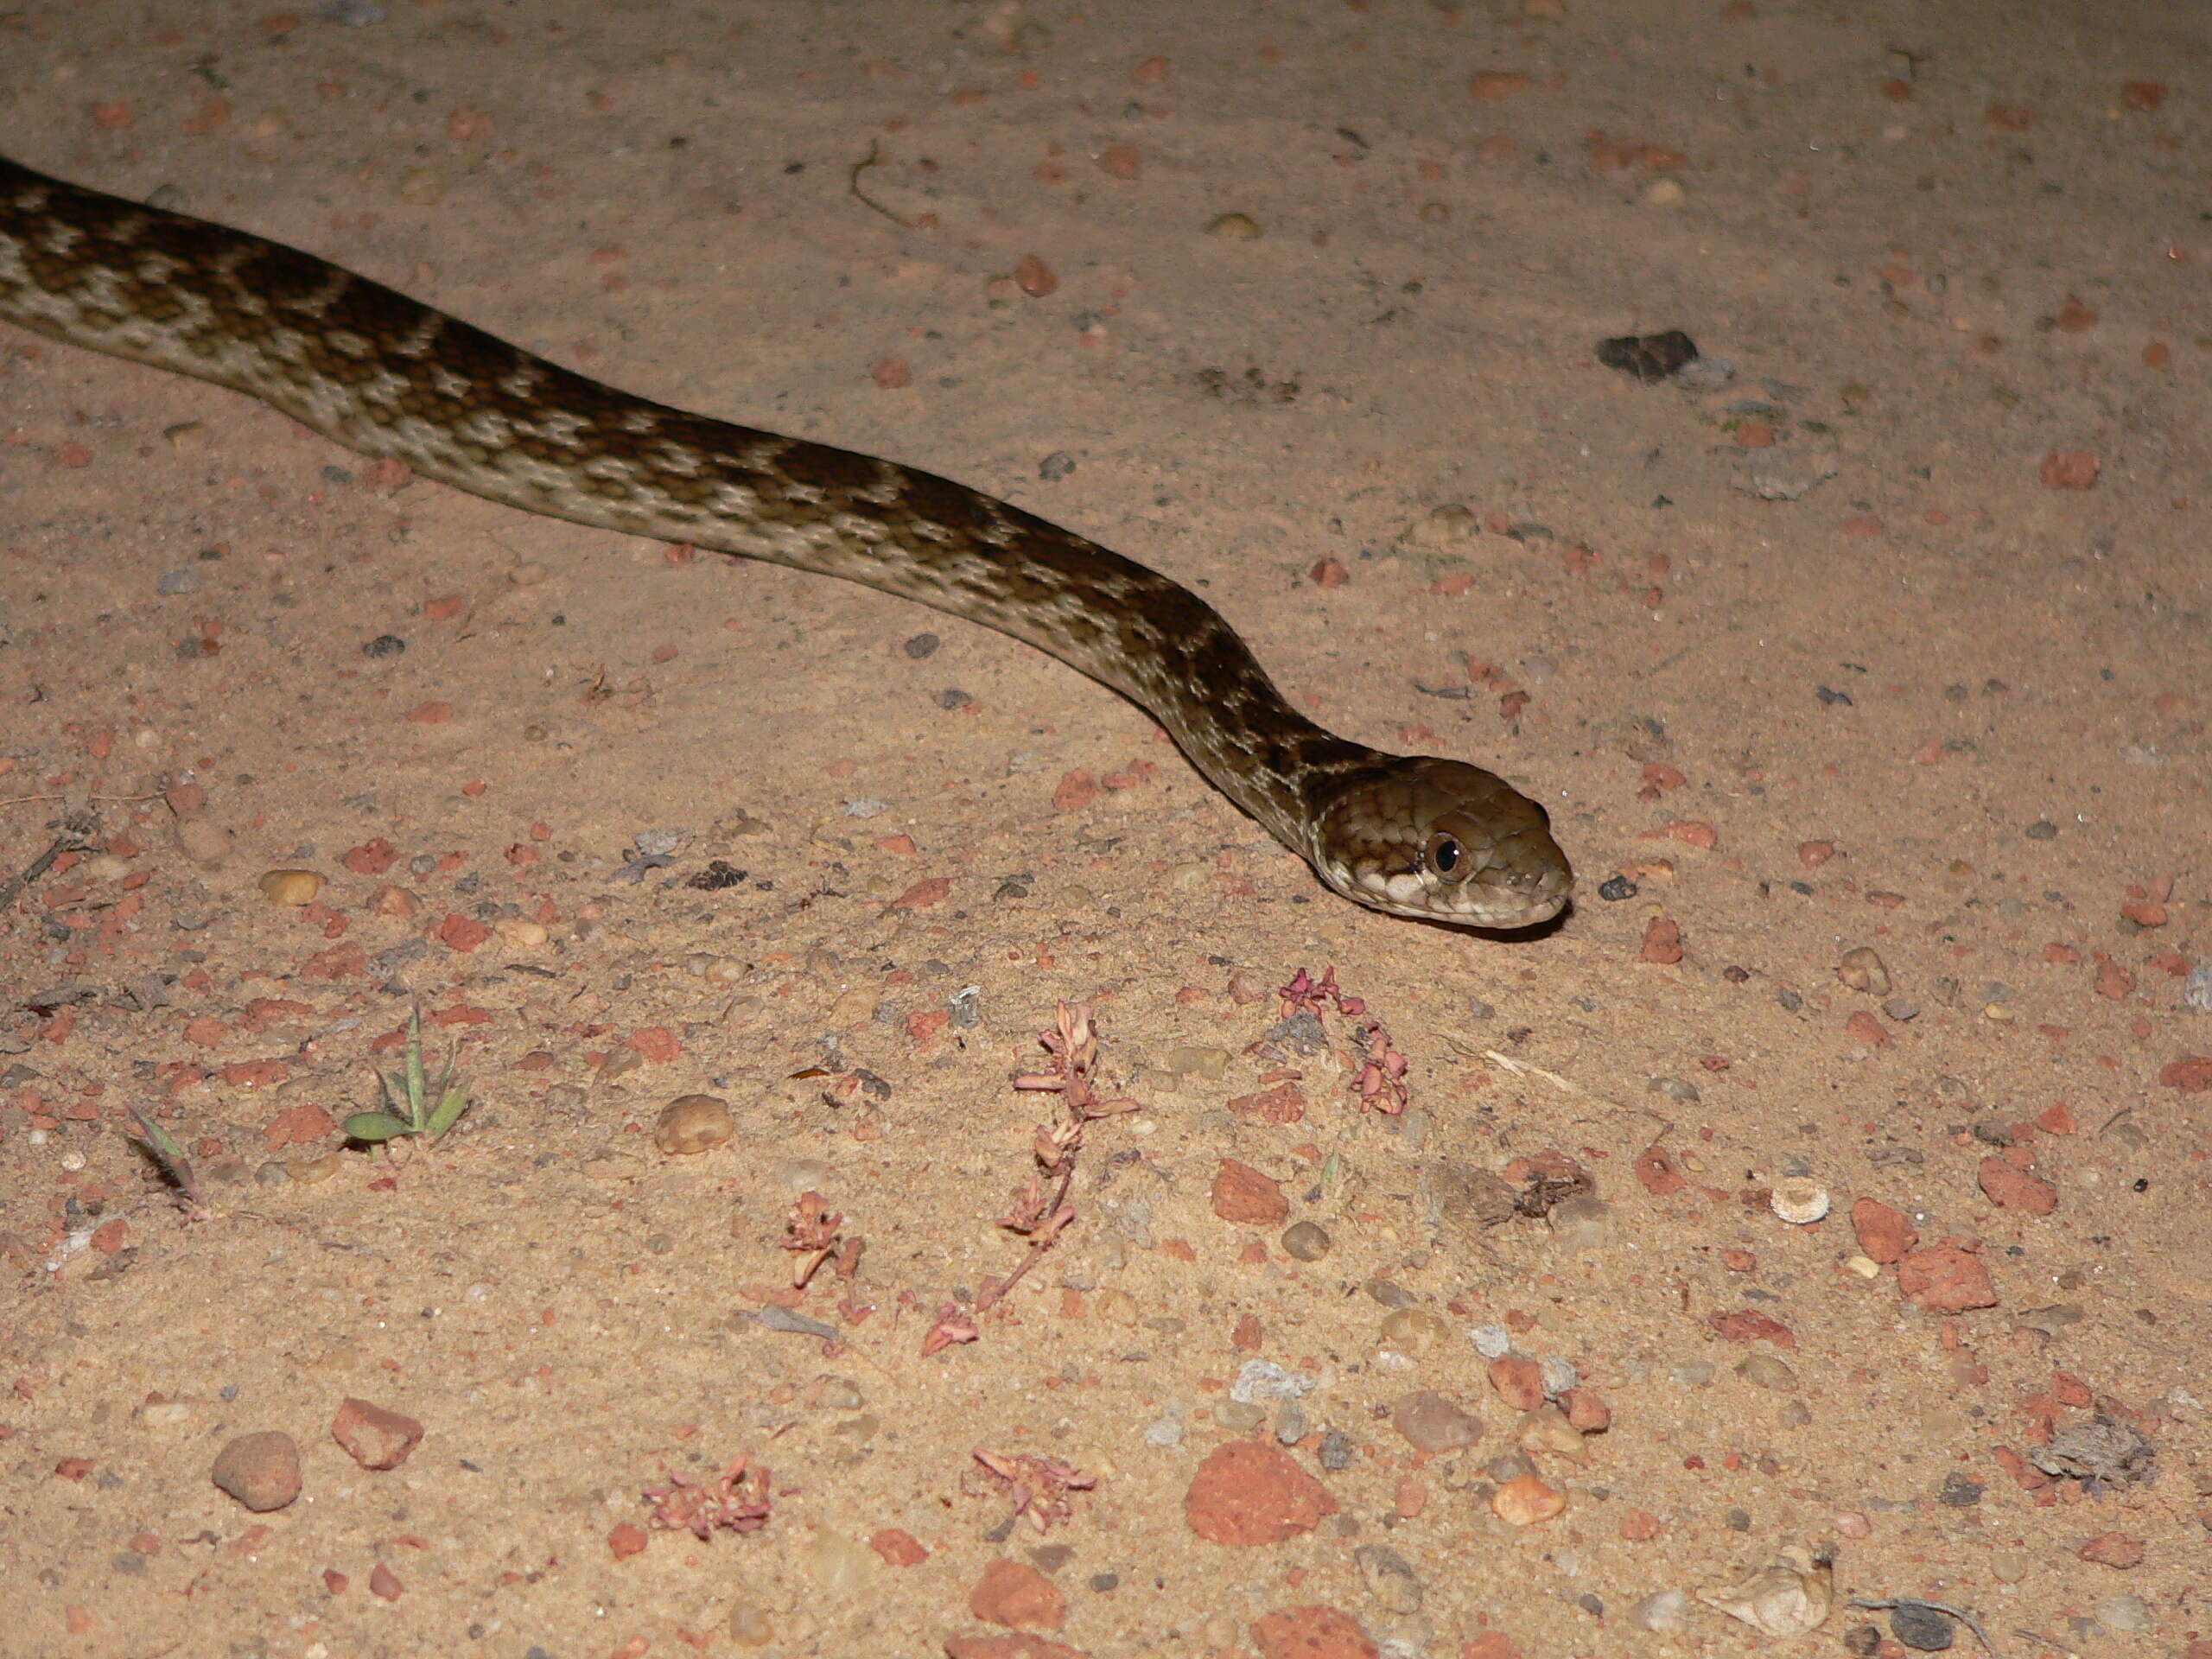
[1887, 796]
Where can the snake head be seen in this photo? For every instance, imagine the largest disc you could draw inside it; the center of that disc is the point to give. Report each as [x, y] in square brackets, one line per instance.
[1442, 840]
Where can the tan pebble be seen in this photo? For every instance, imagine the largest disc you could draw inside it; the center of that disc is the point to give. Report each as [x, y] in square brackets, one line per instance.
[856, 1007]
[1190, 878]
[840, 1565]
[523, 935]
[749, 1627]
[187, 437]
[1525, 1500]
[1798, 1201]
[1863, 969]
[1199, 1061]
[1862, 1267]
[693, 1123]
[1241, 226]
[1414, 1330]
[724, 970]
[528, 574]
[1546, 1431]
[1075, 896]
[1434, 212]
[1852, 1523]
[313, 1171]
[803, 1174]
[1765, 1371]
[1307, 1241]
[202, 842]
[1453, 524]
[1116, 1307]
[422, 187]
[1665, 192]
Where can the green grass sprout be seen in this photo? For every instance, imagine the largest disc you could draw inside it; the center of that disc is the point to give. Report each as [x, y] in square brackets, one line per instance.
[408, 1108]
[168, 1156]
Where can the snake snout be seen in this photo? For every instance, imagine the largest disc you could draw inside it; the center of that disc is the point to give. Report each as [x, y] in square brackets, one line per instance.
[1445, 841]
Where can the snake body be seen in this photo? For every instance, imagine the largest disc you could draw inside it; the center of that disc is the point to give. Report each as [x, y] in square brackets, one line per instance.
[388, 377]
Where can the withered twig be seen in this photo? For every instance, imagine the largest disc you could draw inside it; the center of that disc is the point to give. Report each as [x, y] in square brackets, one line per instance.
[853, 184]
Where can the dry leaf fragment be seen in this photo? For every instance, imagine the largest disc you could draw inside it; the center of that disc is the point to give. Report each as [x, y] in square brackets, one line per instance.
[1790, 1596]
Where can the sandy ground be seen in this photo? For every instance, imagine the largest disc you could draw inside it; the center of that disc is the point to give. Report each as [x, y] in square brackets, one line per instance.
[1937, 702]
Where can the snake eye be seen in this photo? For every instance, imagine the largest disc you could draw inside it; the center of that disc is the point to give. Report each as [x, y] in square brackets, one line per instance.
[1443, 854]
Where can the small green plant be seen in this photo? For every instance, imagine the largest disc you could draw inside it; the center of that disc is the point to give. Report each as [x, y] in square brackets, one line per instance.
[408, 1098]
[169, 1159]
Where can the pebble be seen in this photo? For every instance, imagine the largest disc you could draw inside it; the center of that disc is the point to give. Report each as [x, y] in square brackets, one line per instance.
[260, 1471]
[1416, 1330]
[2196, 989]
[2123, 1614]
[693, 1123]
[2009, 1565]
[1262, 1380]
[1306, 1241]
[1798, 1201]
[1526, 1501]
[1241, 228]
[1661, 1611]
[749, 1627]
[1558, 1375]
[840, 1565]
[1582, 1223]
[1920, 1628]
[1250, 1492]
[1547, 1430]
[1492, 1341]
[314, 1171]
[1863, 969]
[1434, 1424]
[1017, 1597]
[184, 581]
[202, 842]
[373, 1437]
[1449, 526]
[1240, 1418]
[1389, 1578]
[1195, 1061]
[1765, 1371]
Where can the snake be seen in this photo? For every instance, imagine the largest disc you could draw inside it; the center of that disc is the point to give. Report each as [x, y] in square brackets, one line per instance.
[394, 379]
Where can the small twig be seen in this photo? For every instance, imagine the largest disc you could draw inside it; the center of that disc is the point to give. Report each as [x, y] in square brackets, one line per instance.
[1912, 61]
[1883, 1604]
[1523, 1069]
[76, 829]
[853, 184]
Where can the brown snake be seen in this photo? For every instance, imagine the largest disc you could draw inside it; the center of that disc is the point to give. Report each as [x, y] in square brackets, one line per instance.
[388, 377]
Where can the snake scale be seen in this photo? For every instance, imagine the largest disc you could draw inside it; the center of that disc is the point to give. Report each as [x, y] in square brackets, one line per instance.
[388, 377]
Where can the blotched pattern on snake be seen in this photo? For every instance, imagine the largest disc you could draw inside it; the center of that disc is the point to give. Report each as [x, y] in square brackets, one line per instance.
[387, 376]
